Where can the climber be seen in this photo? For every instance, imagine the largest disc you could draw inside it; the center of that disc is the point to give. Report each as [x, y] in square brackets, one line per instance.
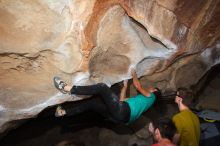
[164, 132]
[118, 109]
[186, 122]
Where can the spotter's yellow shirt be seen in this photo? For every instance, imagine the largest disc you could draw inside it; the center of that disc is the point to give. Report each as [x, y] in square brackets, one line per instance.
[188, 126]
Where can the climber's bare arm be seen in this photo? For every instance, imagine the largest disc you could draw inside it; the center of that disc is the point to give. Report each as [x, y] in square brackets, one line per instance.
[138, 85]
[123, 91]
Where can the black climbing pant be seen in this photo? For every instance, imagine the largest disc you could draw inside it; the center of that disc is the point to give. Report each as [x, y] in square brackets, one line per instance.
[109, 106]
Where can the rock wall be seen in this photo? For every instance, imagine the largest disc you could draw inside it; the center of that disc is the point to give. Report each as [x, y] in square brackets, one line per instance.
[170, 43]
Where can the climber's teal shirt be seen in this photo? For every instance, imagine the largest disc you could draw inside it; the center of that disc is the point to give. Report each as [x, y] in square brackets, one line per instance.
[139, 104]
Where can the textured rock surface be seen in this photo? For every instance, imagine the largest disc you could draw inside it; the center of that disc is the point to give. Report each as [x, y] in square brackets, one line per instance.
[173, 43]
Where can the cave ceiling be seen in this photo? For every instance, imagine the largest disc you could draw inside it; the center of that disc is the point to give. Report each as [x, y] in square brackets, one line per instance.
[171, 43]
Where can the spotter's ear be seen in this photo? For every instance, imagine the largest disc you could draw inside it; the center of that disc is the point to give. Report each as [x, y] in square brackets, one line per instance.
[157, 134]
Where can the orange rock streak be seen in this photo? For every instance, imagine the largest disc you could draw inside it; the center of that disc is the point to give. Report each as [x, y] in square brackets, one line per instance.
[100, 8]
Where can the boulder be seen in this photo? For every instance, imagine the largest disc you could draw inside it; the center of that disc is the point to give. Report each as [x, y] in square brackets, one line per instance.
[170, 43]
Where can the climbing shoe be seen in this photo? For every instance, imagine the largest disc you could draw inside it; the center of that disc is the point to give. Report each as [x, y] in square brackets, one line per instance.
[60, 112]
[60, 84]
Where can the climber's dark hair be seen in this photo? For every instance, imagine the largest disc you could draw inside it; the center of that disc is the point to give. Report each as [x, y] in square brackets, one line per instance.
[157, 93]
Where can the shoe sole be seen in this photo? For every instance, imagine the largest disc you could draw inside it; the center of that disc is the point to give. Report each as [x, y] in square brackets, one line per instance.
[57, 84]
